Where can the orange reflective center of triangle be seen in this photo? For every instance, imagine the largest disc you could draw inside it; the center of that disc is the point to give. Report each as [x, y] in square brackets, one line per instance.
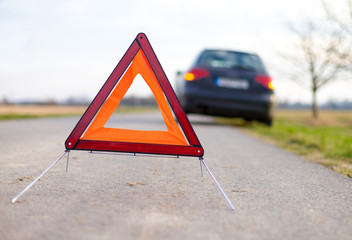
[97, 131]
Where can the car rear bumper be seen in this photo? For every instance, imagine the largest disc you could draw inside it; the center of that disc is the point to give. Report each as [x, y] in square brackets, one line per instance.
[246, 105]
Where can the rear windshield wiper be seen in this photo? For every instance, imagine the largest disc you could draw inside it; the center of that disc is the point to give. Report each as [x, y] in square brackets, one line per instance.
[244, 68]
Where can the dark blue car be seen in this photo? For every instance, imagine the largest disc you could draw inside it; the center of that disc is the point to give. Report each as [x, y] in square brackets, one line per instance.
[228, 84]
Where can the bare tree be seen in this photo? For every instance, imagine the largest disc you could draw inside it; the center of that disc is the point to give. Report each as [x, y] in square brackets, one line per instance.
[343, 20]
[324, 55]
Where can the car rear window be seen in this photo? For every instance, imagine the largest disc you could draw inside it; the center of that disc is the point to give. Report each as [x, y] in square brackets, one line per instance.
[228, 59]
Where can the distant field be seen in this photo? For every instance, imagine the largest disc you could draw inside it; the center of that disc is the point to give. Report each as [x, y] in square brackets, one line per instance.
[34, 111]
[327, 140]
[8, 112]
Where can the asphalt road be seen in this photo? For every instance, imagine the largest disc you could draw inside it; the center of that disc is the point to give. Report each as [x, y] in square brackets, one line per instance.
[277, 194]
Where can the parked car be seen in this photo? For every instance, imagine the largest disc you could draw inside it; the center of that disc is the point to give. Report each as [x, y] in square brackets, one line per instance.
[229, 84]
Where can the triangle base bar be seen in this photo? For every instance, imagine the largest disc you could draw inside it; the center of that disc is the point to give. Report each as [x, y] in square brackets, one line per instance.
[90, 145]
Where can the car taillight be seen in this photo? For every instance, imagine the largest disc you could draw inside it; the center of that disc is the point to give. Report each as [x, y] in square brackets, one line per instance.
[265, 80]
[196, 74]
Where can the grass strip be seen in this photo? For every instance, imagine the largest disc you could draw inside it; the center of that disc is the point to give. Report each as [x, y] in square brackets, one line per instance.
[13, 116]
[32, 112]
[327, 140]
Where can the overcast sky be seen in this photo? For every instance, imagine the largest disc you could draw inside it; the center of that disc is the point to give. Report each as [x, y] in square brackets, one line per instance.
[68, 48]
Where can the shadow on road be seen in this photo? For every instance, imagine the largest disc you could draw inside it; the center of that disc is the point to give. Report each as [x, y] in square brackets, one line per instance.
[217, 121]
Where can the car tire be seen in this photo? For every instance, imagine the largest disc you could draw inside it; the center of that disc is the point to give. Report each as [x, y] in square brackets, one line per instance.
[268, 122]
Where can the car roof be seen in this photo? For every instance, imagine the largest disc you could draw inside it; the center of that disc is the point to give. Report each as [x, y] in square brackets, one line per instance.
[227, 50]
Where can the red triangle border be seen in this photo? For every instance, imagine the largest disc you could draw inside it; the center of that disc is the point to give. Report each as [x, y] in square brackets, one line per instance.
[74, 142]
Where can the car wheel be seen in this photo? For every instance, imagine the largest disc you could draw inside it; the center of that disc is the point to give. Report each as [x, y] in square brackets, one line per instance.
[268, 122]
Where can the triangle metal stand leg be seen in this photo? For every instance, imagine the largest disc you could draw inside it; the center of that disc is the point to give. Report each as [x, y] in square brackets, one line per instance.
[222, 191]
[35, 180]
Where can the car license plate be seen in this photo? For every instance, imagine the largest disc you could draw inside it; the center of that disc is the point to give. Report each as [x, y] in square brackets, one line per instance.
[232, 83]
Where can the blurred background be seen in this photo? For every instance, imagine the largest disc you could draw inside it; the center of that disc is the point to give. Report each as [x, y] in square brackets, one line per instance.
[62, 51]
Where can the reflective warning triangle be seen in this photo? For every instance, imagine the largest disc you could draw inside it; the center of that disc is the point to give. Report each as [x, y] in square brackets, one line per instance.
[90, 133]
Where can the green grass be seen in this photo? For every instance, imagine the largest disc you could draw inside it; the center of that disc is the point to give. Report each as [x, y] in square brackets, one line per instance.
[30, 112]
[12, 116]
[327, 140]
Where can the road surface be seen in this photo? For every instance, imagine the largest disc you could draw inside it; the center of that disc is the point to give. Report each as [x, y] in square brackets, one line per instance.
[277, 194]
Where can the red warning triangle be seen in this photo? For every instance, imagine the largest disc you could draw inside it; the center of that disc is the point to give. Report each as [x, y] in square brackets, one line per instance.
[90, 133]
